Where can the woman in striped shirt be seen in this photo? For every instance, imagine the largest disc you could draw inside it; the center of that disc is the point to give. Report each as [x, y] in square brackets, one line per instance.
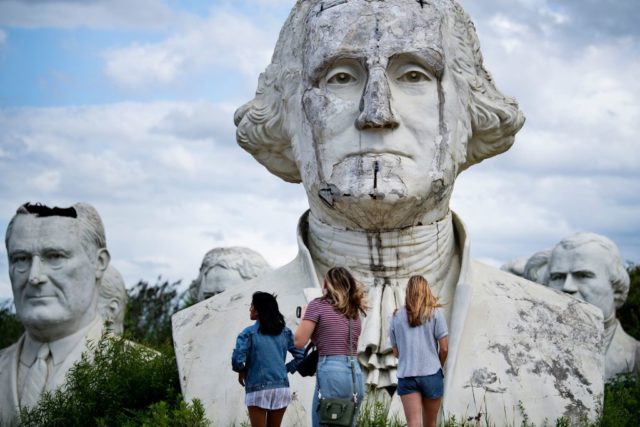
[326, 322]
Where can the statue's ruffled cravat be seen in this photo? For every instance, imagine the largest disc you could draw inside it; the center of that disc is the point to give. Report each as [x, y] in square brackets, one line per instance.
[383, 262]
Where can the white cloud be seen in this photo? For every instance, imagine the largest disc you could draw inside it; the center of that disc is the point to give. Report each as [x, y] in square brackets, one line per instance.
[581, 104]
[47, 182]
[225, 41]
[166, 195]
[89, 14]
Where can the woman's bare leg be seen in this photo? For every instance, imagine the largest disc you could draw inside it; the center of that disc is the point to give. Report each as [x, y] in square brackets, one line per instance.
[274, 417]
[412, 405]
[430, 411]
[257, 416]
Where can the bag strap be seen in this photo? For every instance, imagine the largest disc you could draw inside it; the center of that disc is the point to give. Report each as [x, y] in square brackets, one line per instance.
[353, 370]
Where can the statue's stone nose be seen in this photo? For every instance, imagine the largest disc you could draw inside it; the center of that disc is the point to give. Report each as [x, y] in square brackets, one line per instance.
[375, 105]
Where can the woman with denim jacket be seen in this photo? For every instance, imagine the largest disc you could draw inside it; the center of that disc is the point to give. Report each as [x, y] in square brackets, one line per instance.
[326, 322]
[259, 358]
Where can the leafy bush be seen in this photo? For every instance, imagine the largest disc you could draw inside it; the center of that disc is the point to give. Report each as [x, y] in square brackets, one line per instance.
[375, 413]
[10, 327]
[629, 313]
[622, 402]
[149, 311]
[121, 384]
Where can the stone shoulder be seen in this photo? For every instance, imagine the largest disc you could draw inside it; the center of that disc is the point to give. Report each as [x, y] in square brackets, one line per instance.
[9, 351]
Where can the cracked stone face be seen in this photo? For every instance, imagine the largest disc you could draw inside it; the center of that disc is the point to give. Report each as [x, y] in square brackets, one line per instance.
[382, 113]
[582, 272]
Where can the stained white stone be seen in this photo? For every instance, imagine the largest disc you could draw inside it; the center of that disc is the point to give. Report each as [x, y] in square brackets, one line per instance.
[376, 107]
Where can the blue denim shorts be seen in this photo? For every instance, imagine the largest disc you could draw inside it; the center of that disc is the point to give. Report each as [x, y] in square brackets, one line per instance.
[429, 386]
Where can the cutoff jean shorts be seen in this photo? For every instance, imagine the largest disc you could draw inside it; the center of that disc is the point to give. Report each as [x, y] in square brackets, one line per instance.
[429, 386]
[333, 379]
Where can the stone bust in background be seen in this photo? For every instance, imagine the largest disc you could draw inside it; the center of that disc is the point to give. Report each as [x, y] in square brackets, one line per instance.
[56, 259]
[536, 268]
[532, 268]
[223, 267]
[112, 303]
[376, 107]
[589, 267]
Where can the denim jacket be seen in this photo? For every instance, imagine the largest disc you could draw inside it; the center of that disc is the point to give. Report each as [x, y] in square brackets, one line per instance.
[263, 357]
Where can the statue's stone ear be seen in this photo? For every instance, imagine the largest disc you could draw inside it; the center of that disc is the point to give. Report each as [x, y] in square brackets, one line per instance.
[114, 308]
[494, 124]
[261, 128]
[103, 259]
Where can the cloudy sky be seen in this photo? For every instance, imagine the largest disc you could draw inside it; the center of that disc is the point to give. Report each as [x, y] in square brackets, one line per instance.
[129, 106]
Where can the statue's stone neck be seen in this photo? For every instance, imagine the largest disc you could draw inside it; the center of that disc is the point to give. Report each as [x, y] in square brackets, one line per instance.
[610, 325]
[389, 257]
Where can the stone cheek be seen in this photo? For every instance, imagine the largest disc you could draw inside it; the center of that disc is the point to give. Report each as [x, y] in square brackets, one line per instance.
[522, 343]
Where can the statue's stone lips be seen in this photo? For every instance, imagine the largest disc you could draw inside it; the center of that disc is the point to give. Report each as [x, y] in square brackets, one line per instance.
[362, 174]
[35, 297]
[378, 154]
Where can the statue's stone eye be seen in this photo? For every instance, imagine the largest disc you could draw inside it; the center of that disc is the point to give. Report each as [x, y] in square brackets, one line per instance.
[21, 262]
[341, 78]
[414, 76]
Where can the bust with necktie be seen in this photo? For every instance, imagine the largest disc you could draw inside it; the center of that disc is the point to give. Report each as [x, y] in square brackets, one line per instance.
[57, 258]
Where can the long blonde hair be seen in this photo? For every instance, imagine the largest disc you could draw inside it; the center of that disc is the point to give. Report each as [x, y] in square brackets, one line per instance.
[420, 301]
[344, 292]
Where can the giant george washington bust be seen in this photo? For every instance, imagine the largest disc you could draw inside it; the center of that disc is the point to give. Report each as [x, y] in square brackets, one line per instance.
[376, 107]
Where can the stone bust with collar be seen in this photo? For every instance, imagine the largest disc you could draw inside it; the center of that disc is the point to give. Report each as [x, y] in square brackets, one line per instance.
[376, 107]
[56, 259]
[589, 267]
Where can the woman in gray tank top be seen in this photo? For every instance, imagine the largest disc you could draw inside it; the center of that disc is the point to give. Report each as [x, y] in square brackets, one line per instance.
[419, 338]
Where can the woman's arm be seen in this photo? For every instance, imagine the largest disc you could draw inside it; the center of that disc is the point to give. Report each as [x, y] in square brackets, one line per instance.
[304, 330]
[303, 333]
[239, 356]
[443, 349]
[396, 353]
[297, 353]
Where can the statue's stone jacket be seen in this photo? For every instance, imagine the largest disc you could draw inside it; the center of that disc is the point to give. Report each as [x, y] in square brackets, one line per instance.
[623, 353]
[510, 340]
[10, 358]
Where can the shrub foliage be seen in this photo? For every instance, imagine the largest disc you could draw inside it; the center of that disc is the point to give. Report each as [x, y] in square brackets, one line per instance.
[149, 311]
[10, 326]
[629, 313]
[118, 384]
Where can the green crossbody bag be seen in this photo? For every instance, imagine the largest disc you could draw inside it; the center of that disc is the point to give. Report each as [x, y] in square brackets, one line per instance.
[334, 411]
